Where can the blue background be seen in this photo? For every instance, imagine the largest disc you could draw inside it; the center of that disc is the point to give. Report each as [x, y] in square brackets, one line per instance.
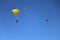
[32, 25]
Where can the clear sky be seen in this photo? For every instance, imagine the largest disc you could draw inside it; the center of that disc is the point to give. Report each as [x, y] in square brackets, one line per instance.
[31, 24]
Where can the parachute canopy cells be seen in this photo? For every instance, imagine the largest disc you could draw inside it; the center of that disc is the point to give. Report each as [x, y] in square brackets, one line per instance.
[16, 11]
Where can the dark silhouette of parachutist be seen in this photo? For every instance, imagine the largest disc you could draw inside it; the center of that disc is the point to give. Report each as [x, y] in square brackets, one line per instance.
[46, 21]
[17, 21]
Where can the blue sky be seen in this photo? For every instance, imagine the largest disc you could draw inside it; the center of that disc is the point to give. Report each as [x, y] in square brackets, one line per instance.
[31, 24]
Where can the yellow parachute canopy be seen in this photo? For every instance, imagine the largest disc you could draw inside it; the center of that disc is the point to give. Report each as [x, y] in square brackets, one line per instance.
[16, 11]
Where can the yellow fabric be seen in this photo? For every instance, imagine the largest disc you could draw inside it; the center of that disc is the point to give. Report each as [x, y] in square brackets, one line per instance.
[16, 11]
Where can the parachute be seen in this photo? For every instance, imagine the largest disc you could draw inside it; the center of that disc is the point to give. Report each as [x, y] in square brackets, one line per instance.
[16, 12]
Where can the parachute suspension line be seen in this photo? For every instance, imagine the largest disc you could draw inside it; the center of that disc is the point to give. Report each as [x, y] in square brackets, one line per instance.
[17, 19]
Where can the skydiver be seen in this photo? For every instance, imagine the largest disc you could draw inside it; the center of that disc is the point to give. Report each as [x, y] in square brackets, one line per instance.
[46, 21]
[17, 21]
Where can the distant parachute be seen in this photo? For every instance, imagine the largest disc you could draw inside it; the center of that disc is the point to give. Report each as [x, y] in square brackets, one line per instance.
[16, 12]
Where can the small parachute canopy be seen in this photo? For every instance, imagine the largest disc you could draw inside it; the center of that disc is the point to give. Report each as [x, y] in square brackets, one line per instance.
[16, 12]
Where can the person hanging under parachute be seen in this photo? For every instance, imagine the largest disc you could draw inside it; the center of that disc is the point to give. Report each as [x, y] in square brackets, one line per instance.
[16, 12]
[46, 21]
